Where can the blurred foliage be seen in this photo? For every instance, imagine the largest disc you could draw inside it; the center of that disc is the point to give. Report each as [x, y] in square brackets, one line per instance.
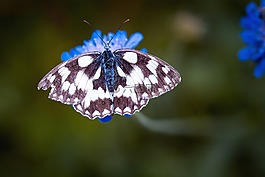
[211, 125]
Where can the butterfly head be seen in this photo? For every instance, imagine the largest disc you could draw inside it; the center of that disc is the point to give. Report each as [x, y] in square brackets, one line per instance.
[107, 45]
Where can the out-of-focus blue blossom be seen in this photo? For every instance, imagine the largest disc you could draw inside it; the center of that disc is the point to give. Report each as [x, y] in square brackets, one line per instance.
[119, 41]
[253, 36]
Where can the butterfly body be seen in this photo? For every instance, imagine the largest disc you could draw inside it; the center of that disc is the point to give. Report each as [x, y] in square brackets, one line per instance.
[99, 84]
[109, 66]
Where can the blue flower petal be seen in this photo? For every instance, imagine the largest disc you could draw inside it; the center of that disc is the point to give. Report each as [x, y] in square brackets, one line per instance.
[246, 53]
[119, 41]
[252, 9]
[259, 55]
[89, 46]
[134, 40]
[127, 115]
[80, 49]
[250, 37]
[74, 52]
[144, 50]
[96, 38]
[105, 119]
[259, 69]
[250, 23]
[65, 56]
[96, 35]
[121, 38]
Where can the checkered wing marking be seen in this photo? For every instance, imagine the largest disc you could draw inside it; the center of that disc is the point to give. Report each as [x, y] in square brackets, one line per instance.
[80, 82]
[141, 77]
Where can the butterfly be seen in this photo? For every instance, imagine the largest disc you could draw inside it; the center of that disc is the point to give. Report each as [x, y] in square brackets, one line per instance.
[100, 84]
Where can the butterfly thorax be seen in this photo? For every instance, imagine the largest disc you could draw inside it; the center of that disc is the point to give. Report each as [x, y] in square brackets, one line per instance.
[108, 66]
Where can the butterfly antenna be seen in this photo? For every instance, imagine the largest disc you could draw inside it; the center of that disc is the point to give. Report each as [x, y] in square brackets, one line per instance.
[127, 20]
[106, 44]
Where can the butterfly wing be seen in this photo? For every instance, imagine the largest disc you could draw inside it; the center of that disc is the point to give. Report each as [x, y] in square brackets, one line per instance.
[80, 82]
[141, 77]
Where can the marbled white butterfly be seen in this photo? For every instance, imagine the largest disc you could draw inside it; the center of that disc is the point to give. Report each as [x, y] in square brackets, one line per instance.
[99, 84]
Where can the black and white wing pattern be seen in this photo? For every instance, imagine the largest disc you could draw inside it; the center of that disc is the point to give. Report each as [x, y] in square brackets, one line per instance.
[141, 77]
[101, 84]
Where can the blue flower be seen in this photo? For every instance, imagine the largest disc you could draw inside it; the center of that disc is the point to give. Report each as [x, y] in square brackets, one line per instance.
[253, 36]
[119, 41]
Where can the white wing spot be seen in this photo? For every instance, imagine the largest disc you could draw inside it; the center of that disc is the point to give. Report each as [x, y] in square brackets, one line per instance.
[137, 75]
[160, 90]
[118, 110]
[86, 101]
[100, 93]
[168, 81]
[127, 109]
[61, 97]
[94, 94]
[129, 81]
[65, 72]
[144, 95]
[79, 76]
[65, 86]
[105, 111]
[83, 81]
[165, 69]
[127, 92]
[88, 88]
[95, 113]
[120, 72]
[76, 100]
[72, 89]
[119, 91]
[153, 58]
[147, 82]
[134, 96]
[84, 61]
[131, 57]
[97, 74]
[52, 89]
[52, 79]
[61, 69]
[152, 65]
[153, 79]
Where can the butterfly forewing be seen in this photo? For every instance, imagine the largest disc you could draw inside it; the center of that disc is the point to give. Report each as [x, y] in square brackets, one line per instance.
[69, 80]
[148, 75]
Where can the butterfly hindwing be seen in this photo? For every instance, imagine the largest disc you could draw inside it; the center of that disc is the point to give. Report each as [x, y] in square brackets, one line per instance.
[98, 100]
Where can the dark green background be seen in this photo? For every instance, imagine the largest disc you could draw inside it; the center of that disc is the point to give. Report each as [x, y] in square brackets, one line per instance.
[211, 125]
